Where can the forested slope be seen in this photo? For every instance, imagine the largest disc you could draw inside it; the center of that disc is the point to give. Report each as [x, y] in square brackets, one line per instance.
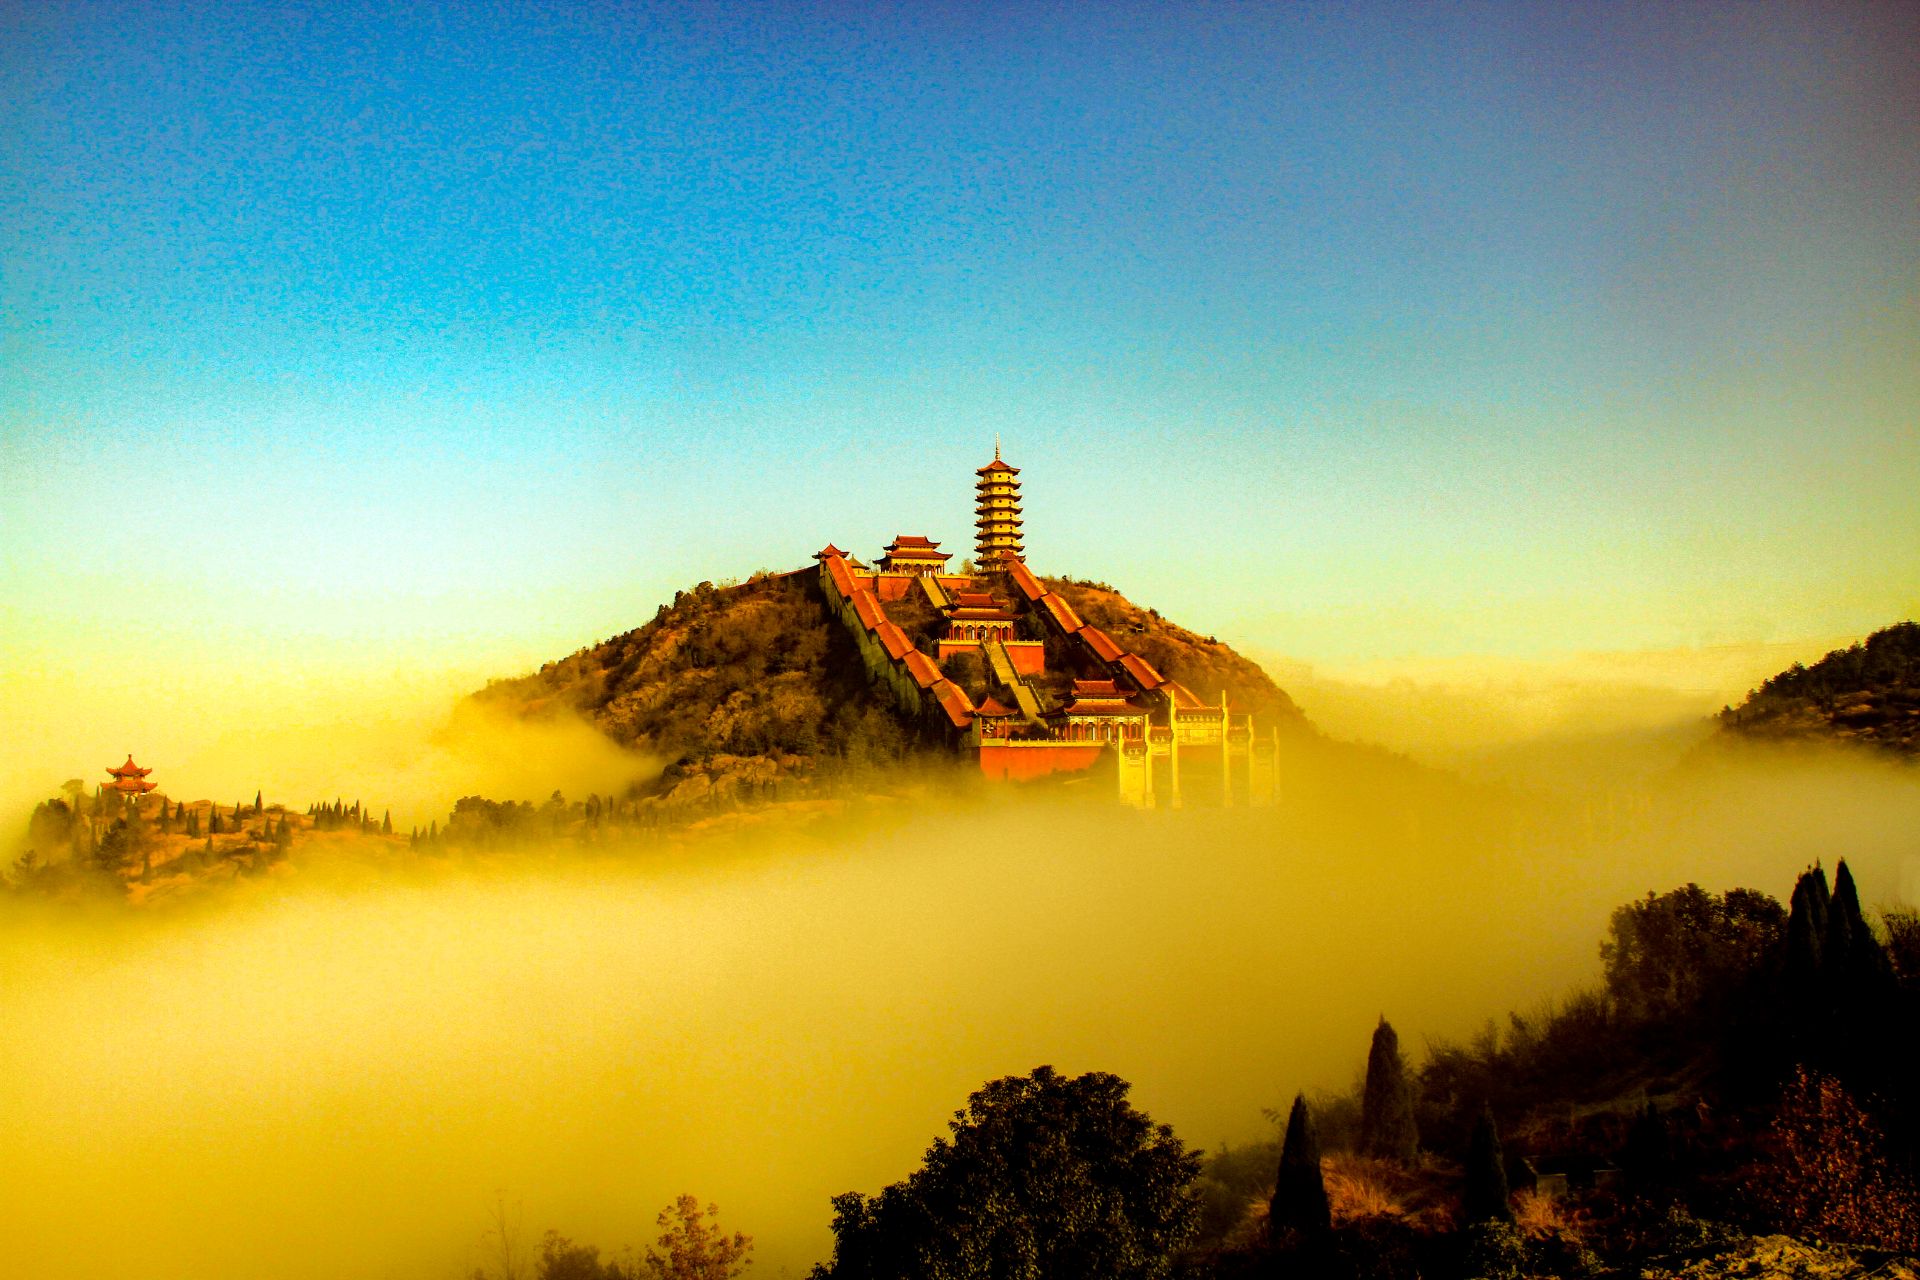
[1868, 693]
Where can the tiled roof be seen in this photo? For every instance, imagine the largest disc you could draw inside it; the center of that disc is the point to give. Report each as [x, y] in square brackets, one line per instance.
[1023, 579]
[1142, 671]
[993, 709]
[910, 540]
[1101, 643]
[1062, 613]
[921, 668]
[1097, 689]
[894, 640]
[869, 609]
[954, 701]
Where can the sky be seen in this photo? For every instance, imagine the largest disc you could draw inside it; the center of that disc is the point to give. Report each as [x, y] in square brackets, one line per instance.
[350, 355]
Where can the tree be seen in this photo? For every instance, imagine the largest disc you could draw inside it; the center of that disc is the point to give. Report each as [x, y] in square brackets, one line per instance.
[691, 1247]
[1299, 1206]
[1807, 927]
[1044, 1176]
[1387, 1128]
[1830, 1174]
[258, 808]
[1484, 1196]
[1851, 954]
[1670, 953]
[386, 823]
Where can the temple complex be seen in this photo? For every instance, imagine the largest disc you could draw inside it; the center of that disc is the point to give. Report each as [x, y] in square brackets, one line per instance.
[991, 658]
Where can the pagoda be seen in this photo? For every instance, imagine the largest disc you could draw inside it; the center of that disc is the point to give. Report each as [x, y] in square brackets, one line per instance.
[130, 779]
[998, 512]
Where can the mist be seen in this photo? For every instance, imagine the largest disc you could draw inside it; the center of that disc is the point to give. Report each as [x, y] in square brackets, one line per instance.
[332, 1076]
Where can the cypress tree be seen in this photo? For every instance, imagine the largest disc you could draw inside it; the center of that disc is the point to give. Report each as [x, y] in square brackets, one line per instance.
[1299, 1191]
[1852, 953]
[1484, 1196]
[257, 807]
[236, 815]
[1807, 927]
[193, 822]
[386, 823]
[1387, 1127]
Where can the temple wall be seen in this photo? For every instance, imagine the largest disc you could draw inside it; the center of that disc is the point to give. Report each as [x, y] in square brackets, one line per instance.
[1019, 761]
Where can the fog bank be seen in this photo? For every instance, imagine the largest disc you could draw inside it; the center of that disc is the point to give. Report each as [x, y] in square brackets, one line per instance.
[306, 1079]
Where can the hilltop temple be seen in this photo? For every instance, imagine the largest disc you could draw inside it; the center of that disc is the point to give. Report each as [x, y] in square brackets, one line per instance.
[988, 655]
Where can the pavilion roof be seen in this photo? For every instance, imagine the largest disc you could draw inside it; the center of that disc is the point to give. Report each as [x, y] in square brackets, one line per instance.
[129, 769]
[994, 709]
[828, 550]
[909, 541]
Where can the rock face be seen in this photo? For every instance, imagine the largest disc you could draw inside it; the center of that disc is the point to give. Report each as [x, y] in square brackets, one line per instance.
[756, 684]
[1868, 694]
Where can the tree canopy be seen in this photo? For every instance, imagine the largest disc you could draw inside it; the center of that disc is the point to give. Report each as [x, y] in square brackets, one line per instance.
[1045, 1176]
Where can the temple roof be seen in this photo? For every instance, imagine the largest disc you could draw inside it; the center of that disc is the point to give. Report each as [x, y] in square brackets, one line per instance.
[994, 709]
[910, 540]
[998, 465]
[1097, 689]
[828, 550]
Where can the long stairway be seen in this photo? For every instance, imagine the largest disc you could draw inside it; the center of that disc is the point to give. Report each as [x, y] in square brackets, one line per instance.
[1003, 672]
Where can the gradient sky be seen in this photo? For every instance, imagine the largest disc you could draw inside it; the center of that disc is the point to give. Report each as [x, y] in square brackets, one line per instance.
[348, 343]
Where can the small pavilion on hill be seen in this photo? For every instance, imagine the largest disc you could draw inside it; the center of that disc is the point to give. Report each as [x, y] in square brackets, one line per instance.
[130, 779]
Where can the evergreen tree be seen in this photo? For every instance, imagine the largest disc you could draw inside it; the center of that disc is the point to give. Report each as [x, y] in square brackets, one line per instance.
[1299, 1190]
[1387, 1128]
[1484, 1195]
[213, 823]
[386, 823]
[1807, 927]
[193, 822]
[1852, 954]
[257, 807]
[236, 815]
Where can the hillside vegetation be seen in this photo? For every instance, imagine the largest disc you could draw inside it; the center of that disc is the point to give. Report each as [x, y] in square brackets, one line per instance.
[1199, 662]
[745, 688]
[1868, 693]
[739, 687]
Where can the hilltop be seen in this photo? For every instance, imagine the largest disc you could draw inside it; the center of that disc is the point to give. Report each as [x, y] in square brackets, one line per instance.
[754, 688]
[1868, 693]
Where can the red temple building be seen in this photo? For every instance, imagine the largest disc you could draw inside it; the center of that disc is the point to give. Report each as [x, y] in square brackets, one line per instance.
[1049, 695]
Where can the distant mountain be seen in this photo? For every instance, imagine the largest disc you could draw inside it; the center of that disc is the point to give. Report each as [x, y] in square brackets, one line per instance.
[753, 687]
[1868, 693]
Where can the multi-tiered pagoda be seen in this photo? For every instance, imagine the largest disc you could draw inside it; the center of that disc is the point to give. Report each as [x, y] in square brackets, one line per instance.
[998, 512]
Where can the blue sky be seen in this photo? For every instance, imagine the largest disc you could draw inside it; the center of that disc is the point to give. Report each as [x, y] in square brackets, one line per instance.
[1347, 332]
